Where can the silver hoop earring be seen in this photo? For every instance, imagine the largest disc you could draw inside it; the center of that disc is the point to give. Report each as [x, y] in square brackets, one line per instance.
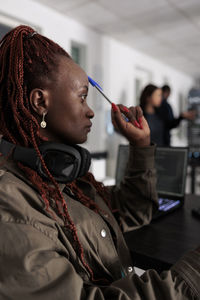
[43, 124]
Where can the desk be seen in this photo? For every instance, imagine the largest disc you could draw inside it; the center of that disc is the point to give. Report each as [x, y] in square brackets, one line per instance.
[160, 244]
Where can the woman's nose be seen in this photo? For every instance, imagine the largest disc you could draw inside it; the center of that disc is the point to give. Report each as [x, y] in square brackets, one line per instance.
[90, 113]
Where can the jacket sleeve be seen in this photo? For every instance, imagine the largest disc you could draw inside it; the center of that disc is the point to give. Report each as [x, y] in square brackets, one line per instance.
[136, 198]
[34, 267]
[168, 117]
[173, 123]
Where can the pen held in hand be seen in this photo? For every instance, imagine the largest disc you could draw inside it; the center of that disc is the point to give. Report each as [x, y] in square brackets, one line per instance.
[99, 88]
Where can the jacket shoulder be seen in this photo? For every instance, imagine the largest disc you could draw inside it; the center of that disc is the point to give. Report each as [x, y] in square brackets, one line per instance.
[18, 199]
[11, 183]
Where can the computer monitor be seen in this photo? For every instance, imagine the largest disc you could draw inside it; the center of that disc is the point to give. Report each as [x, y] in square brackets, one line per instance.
[171, 166]
[122, 159]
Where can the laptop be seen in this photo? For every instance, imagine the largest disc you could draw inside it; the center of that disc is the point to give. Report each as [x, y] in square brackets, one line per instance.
[171, 166]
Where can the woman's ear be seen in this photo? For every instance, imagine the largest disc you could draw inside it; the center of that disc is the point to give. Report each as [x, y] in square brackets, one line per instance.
[39, 100]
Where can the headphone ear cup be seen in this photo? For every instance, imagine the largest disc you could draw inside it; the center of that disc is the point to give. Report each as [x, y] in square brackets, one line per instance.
[65, 163]
[85, 161]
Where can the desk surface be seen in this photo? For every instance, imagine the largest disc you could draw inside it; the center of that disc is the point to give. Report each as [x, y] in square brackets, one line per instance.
[160, 244]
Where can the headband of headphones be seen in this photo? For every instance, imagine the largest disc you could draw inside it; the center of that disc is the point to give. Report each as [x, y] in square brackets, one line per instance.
[65, 163]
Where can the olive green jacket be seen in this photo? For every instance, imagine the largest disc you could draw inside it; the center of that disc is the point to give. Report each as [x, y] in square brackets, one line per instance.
[37, 260]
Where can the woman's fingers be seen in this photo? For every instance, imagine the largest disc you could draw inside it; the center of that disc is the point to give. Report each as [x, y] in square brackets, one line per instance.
[139, 116]
[113, 121]
[139, 112]
[136, 130]
[117, 119]
[133, 114]
[121, 115]
[123, 118]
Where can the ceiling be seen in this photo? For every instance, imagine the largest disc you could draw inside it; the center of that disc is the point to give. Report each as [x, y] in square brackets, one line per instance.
[168, 30]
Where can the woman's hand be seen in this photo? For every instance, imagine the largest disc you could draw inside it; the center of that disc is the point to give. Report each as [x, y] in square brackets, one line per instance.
[136, 130]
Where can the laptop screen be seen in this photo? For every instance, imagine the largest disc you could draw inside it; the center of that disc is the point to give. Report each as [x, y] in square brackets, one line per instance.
[171, 165]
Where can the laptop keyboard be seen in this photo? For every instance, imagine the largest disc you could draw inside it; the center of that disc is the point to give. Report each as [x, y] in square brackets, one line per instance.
[166, 204]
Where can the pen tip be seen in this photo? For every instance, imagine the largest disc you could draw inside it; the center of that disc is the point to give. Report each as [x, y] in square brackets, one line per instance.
[94, 83]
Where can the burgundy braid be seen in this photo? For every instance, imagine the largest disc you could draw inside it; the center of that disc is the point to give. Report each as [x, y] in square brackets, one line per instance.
[85, 200]
[28, 62]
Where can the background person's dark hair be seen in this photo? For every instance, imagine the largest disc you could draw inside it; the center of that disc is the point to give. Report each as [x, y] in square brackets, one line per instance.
[166, 88]
[146, 94]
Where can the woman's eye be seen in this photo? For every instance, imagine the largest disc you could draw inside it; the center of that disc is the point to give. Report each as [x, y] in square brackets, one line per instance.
[84, 97]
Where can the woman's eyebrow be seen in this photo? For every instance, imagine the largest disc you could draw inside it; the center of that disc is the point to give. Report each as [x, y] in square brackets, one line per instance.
[84, 87]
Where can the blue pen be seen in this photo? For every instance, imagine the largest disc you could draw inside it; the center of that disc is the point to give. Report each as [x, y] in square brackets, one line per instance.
[99, 88]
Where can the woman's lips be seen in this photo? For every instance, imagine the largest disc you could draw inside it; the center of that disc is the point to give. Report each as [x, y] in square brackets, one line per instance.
[89, 127]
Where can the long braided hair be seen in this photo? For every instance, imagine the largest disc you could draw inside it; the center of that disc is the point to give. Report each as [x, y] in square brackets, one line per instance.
[27, 61]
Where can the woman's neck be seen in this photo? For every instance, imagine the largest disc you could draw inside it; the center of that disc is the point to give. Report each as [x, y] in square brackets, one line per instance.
[150, 109]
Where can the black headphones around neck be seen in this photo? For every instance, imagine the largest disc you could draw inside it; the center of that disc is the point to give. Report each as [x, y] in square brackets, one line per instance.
[65, 163]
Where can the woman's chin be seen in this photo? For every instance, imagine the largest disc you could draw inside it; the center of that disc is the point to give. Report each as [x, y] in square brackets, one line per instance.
[82, 140]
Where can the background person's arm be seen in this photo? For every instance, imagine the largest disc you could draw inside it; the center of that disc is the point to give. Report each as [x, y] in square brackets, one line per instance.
[166, 113]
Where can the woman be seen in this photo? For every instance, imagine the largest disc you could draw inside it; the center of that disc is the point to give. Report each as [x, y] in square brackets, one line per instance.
[59, 238]
[150, 100]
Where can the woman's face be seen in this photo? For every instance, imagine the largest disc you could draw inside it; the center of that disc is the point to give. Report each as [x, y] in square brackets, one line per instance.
[156, 98]
[68, 114]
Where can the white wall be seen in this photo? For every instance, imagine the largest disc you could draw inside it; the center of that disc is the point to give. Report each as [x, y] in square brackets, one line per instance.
[122, 64]
[110, 62]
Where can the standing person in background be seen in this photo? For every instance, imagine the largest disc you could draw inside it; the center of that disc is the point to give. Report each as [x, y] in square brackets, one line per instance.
[166, 113]
[150, 100]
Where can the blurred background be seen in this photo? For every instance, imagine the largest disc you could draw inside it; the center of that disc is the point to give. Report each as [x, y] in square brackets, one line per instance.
[124, 45]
